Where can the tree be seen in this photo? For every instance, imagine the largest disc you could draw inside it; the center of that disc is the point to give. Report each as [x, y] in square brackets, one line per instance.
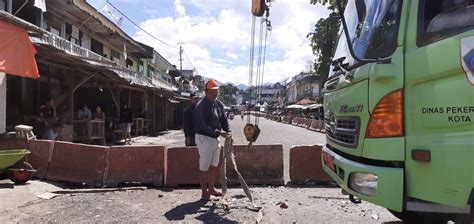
[332, 3]
[324, 38]
[227, 93]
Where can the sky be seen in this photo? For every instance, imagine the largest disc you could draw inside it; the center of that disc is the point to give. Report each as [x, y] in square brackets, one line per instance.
[215, 34]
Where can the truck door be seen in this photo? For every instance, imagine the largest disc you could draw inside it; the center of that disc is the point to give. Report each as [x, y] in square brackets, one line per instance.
[439, 101]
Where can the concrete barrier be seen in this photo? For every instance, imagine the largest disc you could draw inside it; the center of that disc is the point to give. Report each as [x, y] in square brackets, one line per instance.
[300, 122]
[41, 155]
[262, 164]
[295, 120]
[321, 126]
[183, 167]
[305, 164]
[306, 123]
[142, 164]
[303, 122]
[13, 144]
[77, 163]
[314, 125]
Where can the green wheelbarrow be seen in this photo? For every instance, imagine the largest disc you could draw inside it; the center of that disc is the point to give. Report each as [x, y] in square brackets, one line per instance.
[13, 166]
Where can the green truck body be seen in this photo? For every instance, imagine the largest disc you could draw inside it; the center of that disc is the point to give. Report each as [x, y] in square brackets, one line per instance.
[428, 58]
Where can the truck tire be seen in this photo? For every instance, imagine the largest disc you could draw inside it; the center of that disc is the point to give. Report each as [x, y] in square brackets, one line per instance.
[421, 217]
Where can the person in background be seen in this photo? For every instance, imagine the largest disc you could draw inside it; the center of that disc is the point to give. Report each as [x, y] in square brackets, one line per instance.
[188, 118]
[48, 114]
[53, 133]
[99, 114]
[84, 113]
[210, 123]
[126, 120]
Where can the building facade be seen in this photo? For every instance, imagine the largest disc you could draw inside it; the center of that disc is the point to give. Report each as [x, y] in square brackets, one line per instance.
[84, 58]
[303, 86]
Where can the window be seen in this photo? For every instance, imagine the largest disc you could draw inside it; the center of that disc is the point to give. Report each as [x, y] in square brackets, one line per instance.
[97, 46]
[439, 19]
[114, 56]
[140, 66]
[68, 31]
[129, 64]
[150, 72]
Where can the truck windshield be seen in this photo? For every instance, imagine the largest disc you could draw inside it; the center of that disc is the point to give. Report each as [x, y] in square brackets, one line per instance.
[373, 29]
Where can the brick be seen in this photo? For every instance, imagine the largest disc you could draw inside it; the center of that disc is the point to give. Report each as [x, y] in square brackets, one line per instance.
[78, 163]
[183, 167]
[305, 164]
[142, 164]
[262, 164]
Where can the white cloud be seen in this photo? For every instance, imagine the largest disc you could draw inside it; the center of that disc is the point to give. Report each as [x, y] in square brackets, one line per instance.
[232, 55]
[216, 39]
[179, 8]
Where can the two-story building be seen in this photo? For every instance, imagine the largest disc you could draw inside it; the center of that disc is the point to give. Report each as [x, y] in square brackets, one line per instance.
[84, 58]
[303, 86]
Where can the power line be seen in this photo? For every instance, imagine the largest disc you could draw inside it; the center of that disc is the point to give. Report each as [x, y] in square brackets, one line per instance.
[123, 14]
[188, 59]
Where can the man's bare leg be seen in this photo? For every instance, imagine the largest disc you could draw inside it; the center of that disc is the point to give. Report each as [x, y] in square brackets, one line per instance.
[203, 181]
[212, 179]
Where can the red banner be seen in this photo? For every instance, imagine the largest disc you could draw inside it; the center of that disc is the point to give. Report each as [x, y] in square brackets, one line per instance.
[17, 53]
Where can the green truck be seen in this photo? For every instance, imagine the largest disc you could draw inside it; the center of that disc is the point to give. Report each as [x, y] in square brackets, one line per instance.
[399, 107]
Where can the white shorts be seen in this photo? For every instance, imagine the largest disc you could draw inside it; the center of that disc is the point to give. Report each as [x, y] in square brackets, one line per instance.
[209, 151]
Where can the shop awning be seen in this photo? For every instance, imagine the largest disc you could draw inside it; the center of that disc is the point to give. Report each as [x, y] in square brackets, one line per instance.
[17, 53]
[295, 106]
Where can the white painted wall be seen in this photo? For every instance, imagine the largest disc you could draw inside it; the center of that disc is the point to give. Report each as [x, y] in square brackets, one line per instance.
[3, 102]
[86, 41]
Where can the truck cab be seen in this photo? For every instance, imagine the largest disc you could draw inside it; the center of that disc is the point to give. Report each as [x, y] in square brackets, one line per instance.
[399, 106]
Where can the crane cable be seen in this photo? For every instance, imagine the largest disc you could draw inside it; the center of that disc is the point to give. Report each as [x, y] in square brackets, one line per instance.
[252, 44]
[261, 59]
[252, 131]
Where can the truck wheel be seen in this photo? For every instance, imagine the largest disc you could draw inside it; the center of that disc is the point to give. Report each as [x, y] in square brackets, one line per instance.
[421, 217]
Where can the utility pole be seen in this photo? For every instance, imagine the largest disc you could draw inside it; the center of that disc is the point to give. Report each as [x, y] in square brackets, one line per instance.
[180, 58]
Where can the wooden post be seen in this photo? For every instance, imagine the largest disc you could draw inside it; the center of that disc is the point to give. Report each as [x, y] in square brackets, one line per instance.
[113, 97]
[119, 90]
[74, 90]
[154, 113]
[129, 97]
[164, 115]
[146, 104]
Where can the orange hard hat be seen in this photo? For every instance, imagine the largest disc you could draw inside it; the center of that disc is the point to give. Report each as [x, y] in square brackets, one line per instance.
[212, 84]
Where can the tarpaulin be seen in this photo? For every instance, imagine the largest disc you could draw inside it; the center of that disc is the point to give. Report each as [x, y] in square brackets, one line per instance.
[17, 53]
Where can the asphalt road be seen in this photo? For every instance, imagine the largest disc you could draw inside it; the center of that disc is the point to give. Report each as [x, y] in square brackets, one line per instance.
[308, 204]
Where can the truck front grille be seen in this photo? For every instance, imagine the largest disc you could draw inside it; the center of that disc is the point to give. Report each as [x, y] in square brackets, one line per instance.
[343, 130]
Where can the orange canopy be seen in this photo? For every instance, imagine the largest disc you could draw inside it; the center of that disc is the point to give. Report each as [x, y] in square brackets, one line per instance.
[17, 53]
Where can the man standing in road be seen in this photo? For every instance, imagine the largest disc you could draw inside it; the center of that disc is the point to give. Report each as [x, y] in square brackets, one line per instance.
[210, 124]
[188, 118]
